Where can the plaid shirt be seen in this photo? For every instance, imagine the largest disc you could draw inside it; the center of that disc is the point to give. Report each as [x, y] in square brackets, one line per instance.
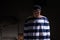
[37, 29]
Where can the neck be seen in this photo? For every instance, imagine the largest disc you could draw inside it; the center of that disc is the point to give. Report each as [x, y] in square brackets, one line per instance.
[37, 16]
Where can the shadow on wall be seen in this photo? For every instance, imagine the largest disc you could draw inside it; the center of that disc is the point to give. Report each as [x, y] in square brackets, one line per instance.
[9, 38]
[9, 19]
[8, 28]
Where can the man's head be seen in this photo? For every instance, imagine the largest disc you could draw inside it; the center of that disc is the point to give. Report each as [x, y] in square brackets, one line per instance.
[20, 36]
[36, 10]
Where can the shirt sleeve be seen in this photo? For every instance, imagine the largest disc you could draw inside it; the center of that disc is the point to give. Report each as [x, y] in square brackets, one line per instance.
[47, 24]
[25, 28]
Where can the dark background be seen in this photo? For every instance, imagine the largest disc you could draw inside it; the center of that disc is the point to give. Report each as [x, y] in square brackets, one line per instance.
[13, 14]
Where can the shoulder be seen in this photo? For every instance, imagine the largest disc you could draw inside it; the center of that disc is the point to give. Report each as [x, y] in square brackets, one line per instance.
[28, 18]
[43, 16]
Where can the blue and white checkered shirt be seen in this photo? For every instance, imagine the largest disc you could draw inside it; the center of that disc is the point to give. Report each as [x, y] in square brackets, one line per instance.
[37, 29]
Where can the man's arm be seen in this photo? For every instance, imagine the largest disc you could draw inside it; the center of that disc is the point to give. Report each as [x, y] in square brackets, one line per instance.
[46, 23]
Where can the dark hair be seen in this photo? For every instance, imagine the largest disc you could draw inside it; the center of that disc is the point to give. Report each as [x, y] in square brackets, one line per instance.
[21, 34]
[36, 7]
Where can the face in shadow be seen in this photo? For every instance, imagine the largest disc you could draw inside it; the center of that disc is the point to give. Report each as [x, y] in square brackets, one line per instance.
[20, 37]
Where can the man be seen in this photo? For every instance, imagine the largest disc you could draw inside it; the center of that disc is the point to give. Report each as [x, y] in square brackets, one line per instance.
[37, 26]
